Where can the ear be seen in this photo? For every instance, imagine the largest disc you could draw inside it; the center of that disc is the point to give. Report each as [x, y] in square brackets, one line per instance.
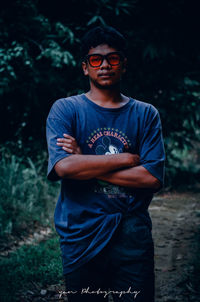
[85, 68]
[124, 64]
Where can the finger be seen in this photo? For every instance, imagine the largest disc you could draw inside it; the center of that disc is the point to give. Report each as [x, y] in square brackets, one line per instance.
[67, 149]
[64, 140]
[64, 145]
[69, 136]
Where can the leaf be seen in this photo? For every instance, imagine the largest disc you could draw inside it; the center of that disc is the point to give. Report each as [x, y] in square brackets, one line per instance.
[190, 82]
[150, 51]
[92, 21]
[95, 19]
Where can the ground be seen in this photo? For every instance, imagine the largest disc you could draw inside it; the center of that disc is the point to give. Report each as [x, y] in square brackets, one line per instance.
[176, 228]
[176, 224]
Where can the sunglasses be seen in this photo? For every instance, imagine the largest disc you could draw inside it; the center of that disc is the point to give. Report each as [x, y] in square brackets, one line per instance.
[96, 60]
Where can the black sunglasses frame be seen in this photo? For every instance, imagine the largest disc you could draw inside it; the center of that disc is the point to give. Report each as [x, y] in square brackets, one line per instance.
[104, 57]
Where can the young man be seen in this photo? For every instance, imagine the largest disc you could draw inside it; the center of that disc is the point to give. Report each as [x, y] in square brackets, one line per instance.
[107, 149]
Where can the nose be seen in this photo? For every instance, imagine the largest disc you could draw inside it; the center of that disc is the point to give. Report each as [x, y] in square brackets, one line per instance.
[105, 63]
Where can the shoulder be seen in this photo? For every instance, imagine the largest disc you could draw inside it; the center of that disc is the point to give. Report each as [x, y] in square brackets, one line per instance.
[144, 107]
[65, 106]
[146, 113]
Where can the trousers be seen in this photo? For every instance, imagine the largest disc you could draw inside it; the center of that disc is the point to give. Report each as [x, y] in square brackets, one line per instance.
[122, 271]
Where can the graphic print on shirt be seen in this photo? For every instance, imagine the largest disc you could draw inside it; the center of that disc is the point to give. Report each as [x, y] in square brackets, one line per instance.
[107, 141]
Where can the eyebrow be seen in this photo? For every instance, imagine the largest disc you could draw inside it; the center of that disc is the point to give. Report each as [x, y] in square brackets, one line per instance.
[99, 54]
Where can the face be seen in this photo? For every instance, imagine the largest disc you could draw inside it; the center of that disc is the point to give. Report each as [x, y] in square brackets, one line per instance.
[106, 75]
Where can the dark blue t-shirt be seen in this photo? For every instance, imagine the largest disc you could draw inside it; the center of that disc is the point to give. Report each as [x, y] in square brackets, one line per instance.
[89, 211]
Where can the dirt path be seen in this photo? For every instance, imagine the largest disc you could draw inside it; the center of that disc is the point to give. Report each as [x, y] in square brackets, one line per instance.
[176, 221]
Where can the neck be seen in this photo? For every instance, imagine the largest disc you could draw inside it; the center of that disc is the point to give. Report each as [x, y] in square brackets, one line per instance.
[105, 95]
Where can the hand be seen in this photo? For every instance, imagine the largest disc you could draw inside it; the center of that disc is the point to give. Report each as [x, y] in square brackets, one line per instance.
[69, 144]
[135, 160]
[129, 159]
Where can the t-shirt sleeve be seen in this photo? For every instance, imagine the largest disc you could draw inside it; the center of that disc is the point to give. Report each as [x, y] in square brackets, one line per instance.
[59, 121]
[151, 147]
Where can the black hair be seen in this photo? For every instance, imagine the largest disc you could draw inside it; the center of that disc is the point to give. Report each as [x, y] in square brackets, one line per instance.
[102, 35]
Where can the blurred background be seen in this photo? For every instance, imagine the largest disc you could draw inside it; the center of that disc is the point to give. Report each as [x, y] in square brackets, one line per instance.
[40, 62]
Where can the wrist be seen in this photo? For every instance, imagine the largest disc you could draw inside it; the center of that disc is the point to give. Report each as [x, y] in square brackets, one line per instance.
[128, 159]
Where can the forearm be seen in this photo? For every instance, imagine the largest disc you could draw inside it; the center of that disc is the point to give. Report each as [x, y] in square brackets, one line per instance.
[80, 166]
[134, 177]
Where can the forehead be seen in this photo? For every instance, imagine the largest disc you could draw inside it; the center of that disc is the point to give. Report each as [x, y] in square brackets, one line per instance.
[102, 49]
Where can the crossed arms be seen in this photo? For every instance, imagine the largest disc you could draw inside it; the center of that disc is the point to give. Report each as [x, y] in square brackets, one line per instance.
[121, 169]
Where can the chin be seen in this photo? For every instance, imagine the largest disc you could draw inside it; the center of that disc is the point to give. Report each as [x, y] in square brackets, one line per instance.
[107, 84]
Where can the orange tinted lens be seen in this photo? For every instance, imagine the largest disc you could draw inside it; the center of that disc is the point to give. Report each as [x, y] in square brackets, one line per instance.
[95, 60]
[114, 59]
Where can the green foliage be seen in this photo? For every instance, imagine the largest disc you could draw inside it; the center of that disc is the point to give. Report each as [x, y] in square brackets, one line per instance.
[181, 121]
[40, 264]
[10, 60]
[27, 199]
[57, 56]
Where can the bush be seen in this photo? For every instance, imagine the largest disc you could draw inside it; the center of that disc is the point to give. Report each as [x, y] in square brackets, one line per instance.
[27, 199]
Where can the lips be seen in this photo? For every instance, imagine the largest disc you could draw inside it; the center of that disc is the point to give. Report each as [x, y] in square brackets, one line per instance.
[106, 74]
